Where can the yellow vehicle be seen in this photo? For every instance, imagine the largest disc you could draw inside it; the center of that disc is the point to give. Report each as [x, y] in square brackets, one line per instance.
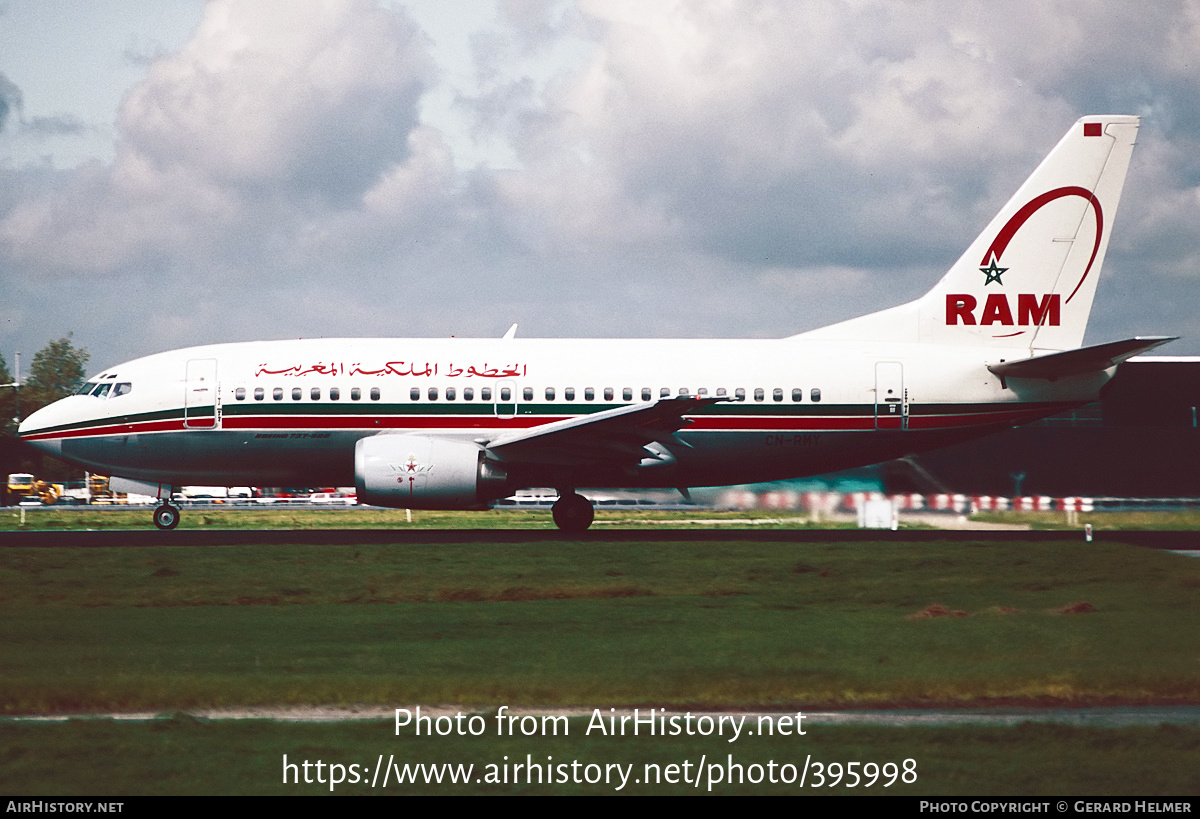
[100, 492]
[50, 493]
[19, 485]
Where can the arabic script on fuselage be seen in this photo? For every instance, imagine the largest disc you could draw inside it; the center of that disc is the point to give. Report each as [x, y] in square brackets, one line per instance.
[394, 368]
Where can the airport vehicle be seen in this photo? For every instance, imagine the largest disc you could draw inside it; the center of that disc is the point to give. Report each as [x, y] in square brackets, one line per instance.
[459, 423]
[18, 486]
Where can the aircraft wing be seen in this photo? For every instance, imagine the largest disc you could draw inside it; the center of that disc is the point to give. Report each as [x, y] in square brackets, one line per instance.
[1078, 362]
[611, 436]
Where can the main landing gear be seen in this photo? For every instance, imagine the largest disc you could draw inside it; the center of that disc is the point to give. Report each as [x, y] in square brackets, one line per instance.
[573, 512]
[166, 516]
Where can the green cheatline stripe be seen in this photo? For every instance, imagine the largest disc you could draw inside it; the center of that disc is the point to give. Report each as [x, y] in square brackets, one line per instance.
[418, 409]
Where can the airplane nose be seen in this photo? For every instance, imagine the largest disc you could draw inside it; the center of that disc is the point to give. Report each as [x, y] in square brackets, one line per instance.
[32, 423]
[33, 430]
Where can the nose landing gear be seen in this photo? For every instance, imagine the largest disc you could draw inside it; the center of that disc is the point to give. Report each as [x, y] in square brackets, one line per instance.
[166, 516]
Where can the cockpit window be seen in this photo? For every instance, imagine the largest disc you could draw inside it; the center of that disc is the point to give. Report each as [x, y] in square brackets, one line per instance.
[108, 389]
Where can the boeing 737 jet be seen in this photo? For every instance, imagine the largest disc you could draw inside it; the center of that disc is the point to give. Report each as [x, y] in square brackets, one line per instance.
[459, 423]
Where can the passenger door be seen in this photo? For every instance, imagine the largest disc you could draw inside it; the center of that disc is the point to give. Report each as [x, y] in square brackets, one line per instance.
[201, 398]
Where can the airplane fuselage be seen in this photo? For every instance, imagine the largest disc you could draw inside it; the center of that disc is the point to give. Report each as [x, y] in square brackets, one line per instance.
[290, 412]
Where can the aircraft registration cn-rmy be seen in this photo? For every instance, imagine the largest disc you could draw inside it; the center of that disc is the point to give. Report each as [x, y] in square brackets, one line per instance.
[459, 423]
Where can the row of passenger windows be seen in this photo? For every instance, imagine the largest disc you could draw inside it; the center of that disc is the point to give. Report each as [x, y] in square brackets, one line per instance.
[609, 394]
[335, 393]
[506, 394]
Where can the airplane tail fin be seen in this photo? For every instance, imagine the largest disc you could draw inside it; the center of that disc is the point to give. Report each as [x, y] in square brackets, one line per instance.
[1029, 278]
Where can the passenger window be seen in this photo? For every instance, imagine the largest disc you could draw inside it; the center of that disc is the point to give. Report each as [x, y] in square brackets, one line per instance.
[646, 393]
[527, 393]
[259, 393]
[433, 393]
[797, 395]
[335, 393]
[468, 393]
[374, 393]
[414, 394]
[815, 394]
[739, 394]
[684, 391]
[451, 393]
[665, 392]
[277, 394]
[608, 393]
[721, 392]
[314, 393]
[297, 393]
[627, 394]
[759, 394]
[240, 393]
[549, 393]
[569, 393]
[777, 394]
[589, 394]
[703, 391]
[485, 393]
[355, 394]
[505, 394]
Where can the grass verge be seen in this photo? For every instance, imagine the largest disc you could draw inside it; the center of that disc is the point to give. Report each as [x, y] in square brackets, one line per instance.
[585, 623]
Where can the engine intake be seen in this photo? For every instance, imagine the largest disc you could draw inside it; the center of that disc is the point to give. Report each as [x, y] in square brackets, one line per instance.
[421, 472]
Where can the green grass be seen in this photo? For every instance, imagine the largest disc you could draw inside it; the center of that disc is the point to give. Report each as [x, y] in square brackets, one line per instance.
[203, 517]
[728, 624]
[1185, 519]
[733, 624]
[300, 517]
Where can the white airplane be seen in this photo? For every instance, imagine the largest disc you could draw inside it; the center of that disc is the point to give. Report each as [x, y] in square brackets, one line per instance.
[459, 423]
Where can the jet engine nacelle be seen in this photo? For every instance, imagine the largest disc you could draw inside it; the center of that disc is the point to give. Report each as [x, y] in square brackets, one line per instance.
[421, 472]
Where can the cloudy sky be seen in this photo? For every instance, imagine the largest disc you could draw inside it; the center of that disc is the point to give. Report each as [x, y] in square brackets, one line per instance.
[176, 172]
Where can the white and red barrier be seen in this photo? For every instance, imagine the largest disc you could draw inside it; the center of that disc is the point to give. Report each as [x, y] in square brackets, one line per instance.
[824, 504]
[949, 503]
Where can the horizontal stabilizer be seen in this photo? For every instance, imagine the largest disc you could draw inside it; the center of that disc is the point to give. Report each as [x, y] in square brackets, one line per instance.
[1078, 362]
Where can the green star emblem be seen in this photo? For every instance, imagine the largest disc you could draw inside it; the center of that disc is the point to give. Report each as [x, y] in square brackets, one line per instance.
[993, 273]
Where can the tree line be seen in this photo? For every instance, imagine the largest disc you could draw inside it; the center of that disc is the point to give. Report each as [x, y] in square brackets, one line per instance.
[56, 371]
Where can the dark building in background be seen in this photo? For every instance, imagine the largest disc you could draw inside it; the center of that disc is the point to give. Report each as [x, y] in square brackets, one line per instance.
[1141, 440]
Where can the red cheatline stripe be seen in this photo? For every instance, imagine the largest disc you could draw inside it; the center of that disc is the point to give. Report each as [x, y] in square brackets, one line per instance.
[777, 423]
[172, 425]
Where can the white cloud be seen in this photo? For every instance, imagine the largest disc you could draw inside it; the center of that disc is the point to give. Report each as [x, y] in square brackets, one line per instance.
[264, 119]
[694, 168]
